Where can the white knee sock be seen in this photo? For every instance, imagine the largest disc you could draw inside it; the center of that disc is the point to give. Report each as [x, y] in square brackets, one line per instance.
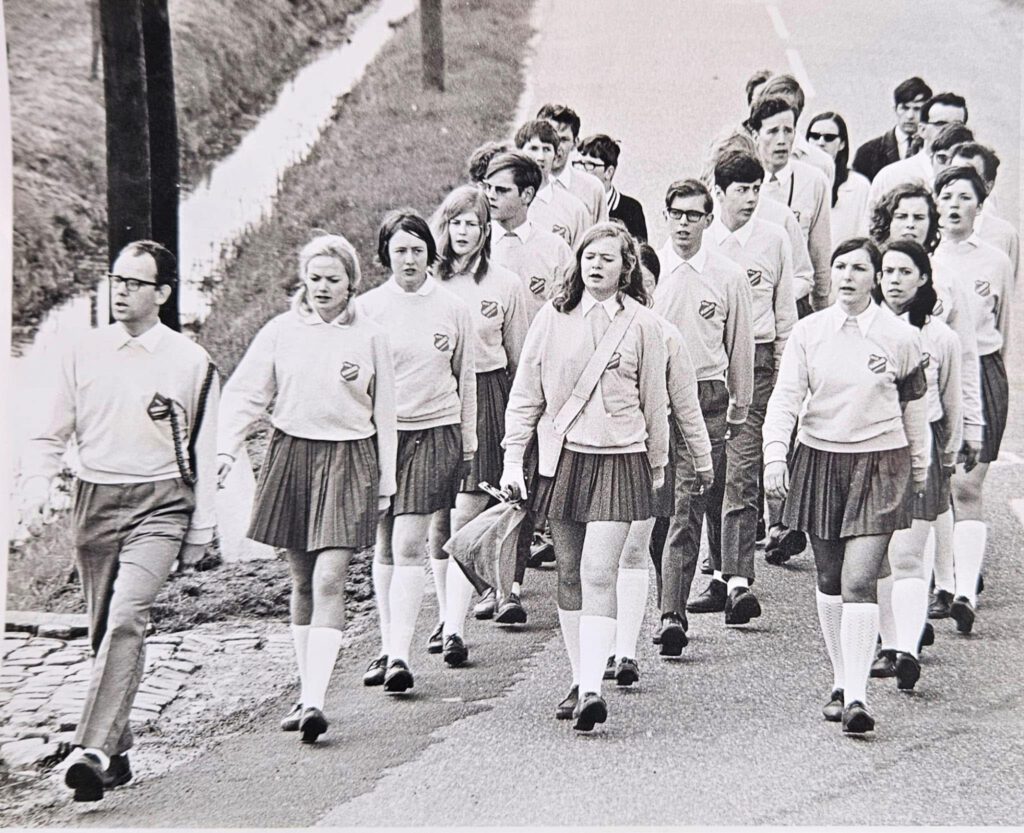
[459, 595]
[382, 574]
[596, 635]
[943, 527]
[631, 592]
[886, 617]
[321, 655]
[406, 599]
[830, 615]
[928, 562]
[439, 568]
[910, 608]
[569, 621]
[969, 539]
[858, 634]
[300, 638]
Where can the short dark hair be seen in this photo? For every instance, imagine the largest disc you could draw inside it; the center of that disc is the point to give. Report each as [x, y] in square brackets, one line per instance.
[688, 188]
[950, 135]
[563, 115]
[852, 244]
[166, 263]
[766, 107]
[737, 166]
[784, 86]
[881, 216]
[536, 129]
[525, 172]
[755, 81]
[949, 99]
[975, 150]
[600, 147]
[957, 173]
[650, 261]
[404, 219]
[481, 158]
[911, 89]
[919, 310]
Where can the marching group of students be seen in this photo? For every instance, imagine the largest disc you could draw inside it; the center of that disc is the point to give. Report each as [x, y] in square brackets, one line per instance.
[822, 339]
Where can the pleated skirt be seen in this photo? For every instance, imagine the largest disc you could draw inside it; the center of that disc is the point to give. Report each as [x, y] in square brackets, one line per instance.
[995, 402]
[315, 494]
[596, 487]
[839, 495]
[936, 497]
[491, 399]
[428, 470]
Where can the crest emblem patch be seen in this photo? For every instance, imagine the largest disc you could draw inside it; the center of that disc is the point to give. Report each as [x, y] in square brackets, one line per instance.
[537, 285]
[707, 309]
[441, 342]
[349, 371]
[983, 288]
[489, 309]
[876, 363]
[754, 276]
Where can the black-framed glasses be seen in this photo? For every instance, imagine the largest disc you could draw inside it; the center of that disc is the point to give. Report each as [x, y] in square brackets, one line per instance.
[130, 284]
[814, 136]
[691, 216]
[588, 166]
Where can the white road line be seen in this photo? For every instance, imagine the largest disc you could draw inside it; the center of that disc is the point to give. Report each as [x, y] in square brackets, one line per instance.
[1017, 504]
[800, 71]
[777, 22]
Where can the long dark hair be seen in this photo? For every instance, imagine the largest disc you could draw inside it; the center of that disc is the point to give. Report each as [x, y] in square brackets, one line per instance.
[843, 157]
[631, 281]
[920, 309]
[881, 217]
[466, 199]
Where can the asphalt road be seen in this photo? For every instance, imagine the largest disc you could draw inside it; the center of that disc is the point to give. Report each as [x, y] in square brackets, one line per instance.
[731, 733]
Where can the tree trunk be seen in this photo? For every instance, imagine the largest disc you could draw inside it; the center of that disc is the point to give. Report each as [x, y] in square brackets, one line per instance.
[163, 138]
[124, 91]
[432, 40]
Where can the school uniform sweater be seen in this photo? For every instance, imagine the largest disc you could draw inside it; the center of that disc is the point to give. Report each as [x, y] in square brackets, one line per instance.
[915, 169]
[708, 299]
[803, 272]
[994, 229]
[433, 348]
[851, 213]
[327, 381]
[762, 252]
[587, 188]
[806, 191]
[684, 402]
[987, 275]
[628, 410]
[105, 397]
[540, 259]
[558, 211]
[846, 384]
[497, 305]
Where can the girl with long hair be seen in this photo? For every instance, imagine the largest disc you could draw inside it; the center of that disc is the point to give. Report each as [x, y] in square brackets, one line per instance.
[849, 189]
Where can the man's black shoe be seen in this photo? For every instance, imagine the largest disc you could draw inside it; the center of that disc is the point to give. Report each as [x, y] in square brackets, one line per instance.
[712, 600]
[741, 605]
[673, 635]
[88, 779]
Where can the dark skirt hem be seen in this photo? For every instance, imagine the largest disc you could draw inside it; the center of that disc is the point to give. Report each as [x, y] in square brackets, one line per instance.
[596, 487]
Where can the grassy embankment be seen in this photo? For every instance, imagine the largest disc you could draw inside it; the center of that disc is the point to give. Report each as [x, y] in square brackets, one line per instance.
[391, 144]
[58, 122]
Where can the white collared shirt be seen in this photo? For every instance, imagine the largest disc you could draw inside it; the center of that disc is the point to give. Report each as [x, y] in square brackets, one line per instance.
[671, 261]
[838, 317]
[720, 231]
[150, 339]
[521, 233]
[609, 305]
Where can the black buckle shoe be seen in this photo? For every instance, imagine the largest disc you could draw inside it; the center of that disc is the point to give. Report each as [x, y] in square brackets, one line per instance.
[511, 611]
[856, 720]
[712, 600]
[455, 651]
[884, 665]
[290, 722]
[833, 709]
[591, 710]
[89, 779]
[741, 605]
[962, 612]
[398, 677]
[938, 607]
[673, 635]
[908, 671]
[609, 669]
[435, 642]
[565, 709]
[312, 725]
[375, 672]
[627, 673]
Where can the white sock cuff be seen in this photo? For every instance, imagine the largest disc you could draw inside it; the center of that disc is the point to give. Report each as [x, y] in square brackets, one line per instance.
[737, 581]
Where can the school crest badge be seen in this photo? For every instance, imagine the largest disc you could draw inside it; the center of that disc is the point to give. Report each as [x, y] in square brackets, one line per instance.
[441, 342]
[876, 364]
[939, 308]
[983, 288]
[754, 276]
[537, 285]
[562, 232]
[488, 309]
[926, 359]
[707, 310]
[613, 362]
[349, 371]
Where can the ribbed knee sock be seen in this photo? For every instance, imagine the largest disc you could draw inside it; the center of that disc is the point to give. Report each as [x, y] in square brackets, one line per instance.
[858, 634]
[830, 616]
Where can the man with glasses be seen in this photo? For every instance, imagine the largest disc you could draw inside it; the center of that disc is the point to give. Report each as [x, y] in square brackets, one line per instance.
[938, 111]
[707, 297]
[586, 188]
[141, 402]
[899, 143]
[599, 155]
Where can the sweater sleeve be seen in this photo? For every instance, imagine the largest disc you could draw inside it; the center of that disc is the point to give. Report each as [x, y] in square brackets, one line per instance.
[803, 269]
[682, 395]
[249, 390]
[786, 400]
[204, 518]
[739, 346]
[653, 392]
[464, 369]
[950, 395]
[819, 243]
[1005, 304]
[513, 330]
[385, 418]
[785, 302]
[962, 323]
[915, 407]
[526, 399]
[45, 447]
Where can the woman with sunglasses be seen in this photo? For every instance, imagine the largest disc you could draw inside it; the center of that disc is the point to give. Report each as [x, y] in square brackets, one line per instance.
[853, 376]
[849, 188]
[497, 303]
[331, 461]
[615, 448]
[907, 291]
